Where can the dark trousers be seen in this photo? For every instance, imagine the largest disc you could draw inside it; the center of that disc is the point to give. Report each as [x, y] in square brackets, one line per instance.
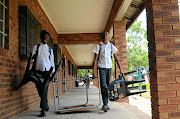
[105, 75]
[43, 95]
[42, 91]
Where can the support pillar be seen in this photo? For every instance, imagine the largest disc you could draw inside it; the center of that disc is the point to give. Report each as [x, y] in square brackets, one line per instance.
[120, 43]
[164, 57]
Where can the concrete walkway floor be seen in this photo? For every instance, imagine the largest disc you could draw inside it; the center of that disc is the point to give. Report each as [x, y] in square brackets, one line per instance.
[141, 103]
[78, 96]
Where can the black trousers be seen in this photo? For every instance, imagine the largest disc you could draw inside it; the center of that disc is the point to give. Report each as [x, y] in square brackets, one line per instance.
[42, 91]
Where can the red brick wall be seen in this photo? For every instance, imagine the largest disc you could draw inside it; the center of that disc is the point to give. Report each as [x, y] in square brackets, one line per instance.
[79, 38]
[12, 67]
[164, 46]
[120, 43]
[68, 57]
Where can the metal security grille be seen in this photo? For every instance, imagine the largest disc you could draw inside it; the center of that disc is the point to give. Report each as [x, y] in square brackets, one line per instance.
[72, 69]
[29, 31]
[2, 23]
[57, 55]
[69, 67]
[179, 8]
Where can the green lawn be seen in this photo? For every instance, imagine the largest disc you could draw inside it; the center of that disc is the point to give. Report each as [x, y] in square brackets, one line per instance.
[137, 84]
[146, 94]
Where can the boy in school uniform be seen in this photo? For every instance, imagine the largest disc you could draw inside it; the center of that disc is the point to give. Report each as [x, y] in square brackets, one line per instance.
[45, 60]
[103, 61]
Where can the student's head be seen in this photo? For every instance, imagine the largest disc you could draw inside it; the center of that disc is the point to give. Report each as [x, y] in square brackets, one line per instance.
[44, 36]
[104, 36]
[88, 71]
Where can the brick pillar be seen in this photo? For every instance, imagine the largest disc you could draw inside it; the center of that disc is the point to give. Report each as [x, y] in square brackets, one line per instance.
[120, 43]
[164, 57]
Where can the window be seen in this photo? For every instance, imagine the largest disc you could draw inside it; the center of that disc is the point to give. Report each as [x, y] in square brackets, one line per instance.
[70, 67]
[29, 30]
[179, 8]
[57, 55]
[3, 13]
[72, 70]
[75, 71]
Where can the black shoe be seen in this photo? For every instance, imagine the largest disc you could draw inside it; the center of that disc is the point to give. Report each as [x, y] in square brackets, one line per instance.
[108, 107]
[105, 108]
[43, 114]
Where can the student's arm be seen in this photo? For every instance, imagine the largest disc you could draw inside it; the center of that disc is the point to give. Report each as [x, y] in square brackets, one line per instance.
[95, 63]
[118, 63]
[34, 53]
[52, 61]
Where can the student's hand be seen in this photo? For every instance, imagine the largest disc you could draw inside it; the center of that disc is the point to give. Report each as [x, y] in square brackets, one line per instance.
[121, 73]
[34, 56]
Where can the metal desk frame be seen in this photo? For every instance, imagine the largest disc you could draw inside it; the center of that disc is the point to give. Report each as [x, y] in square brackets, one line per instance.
[66, 108]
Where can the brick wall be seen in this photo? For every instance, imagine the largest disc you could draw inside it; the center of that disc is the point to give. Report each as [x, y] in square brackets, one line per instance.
[79, 38]
[164, 46]
[120, 43]
[12, 67]
[68, 57]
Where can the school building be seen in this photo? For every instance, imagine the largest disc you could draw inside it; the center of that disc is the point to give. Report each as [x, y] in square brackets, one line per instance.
[75, 27]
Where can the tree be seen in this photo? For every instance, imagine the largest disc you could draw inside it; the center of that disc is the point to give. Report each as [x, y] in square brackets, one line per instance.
[137, 46]
[82, 72]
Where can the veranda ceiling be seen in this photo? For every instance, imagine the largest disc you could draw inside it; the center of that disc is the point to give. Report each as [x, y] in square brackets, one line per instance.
[86, 16]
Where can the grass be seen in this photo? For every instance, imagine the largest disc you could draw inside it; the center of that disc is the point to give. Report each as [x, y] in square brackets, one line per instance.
[146, 94]
[137, 84]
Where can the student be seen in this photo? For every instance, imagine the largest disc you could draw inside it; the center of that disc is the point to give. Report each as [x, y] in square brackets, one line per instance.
[87, 76]
[144, 75]
[45, 60]
[103, 61]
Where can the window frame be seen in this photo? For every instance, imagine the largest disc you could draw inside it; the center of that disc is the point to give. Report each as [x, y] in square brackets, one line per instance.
[3, 33]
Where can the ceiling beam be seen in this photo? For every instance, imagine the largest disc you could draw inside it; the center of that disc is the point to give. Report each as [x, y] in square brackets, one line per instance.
[114, 12]
[84, 67]
[134, 6]
[136, 14]
[80, 38]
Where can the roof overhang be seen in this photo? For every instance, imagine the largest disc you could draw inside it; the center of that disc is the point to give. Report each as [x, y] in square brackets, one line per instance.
[84, 17]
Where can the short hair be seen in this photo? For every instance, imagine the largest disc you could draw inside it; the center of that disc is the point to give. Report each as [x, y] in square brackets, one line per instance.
[103, 35]
[43, 33]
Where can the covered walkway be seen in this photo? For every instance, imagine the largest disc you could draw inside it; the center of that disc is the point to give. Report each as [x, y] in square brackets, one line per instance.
[77, 96]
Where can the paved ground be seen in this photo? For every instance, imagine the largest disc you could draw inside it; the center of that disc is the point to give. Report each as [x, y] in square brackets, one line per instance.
[78, 96]
[141, 103]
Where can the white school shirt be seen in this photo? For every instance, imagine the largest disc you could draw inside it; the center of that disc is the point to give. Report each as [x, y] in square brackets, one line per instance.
[87, 74]
[43, 61]
[144, 72]
[105, 60]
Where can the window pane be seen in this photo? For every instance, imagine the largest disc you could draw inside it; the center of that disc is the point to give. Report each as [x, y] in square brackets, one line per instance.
[1, 26]
[1, 37]
[6, 45]
[1, 11]
[38, 32]
[31, 32]
[179, 8]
